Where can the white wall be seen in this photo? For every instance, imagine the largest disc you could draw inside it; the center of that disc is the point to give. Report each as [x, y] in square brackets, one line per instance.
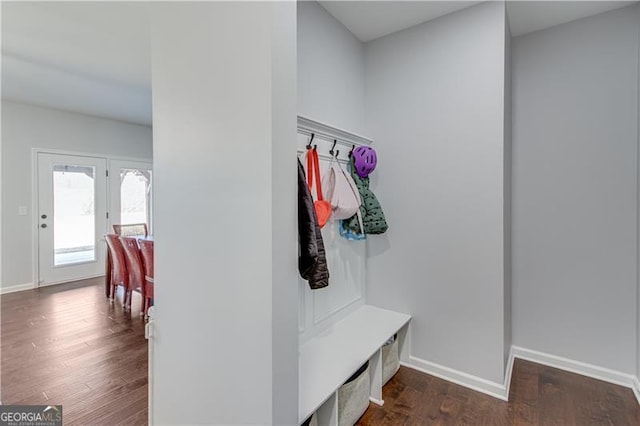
[575, 142]
[224, 163]
[435, 100]
[508, 171]
[638, 223]
[27, 126]
[330, 70]
[284, 189]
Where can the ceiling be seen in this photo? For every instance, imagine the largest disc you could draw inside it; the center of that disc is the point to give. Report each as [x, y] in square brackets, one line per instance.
[368, 20]
[529, 16]
[95, 57]
[89, 57]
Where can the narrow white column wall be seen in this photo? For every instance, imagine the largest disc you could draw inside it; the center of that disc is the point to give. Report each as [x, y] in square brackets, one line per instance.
[507, 174]
[1, 203]
[224, 164]
[435, 102]
[575, 143]
[284, 207]
[638, 213]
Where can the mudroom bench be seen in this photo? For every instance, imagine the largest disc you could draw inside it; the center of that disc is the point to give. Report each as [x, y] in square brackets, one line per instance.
[328, 359]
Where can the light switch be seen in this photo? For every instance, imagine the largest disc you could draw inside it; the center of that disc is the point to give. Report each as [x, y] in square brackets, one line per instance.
[22, 210]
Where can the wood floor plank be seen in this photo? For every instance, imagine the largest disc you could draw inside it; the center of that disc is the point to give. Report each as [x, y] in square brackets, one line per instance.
[68, 345]
[539, 395]
[524, 395]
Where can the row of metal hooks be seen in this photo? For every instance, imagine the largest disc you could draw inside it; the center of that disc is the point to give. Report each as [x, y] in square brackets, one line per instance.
[333, 151]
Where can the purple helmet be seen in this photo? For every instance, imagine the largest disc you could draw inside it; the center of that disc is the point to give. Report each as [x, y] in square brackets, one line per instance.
[365, 160]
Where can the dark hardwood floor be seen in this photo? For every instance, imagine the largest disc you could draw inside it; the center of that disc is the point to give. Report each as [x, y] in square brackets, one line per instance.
[66, 344]
[539, 395]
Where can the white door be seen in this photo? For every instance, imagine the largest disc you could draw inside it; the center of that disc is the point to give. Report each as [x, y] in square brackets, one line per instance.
[72, 217]
[131, 194]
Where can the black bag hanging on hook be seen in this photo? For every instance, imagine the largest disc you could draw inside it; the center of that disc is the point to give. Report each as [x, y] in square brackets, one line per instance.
[312, 260]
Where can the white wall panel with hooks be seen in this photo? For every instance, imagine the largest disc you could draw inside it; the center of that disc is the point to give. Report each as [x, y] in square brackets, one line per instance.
[346, 259]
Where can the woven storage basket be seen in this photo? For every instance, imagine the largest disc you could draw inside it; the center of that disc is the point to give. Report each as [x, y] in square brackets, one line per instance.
[390, 360]
[353, 397]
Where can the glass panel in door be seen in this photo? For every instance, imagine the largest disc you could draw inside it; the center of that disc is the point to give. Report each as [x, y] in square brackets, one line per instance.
[74, 214]
[135, 196]
[131, 188]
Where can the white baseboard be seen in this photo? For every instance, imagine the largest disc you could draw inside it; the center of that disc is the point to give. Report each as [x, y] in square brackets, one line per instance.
[573, 366]
[636, 388]
[30, 286]
[74, 280]
[376, 401]
[497, 390]
[16, 288]
[501, 391]
[508, 373]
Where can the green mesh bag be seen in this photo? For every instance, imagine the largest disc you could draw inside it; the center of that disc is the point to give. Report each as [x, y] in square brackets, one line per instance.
[372, 216]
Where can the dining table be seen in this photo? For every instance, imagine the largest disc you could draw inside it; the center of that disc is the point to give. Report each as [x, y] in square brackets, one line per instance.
[107, 275]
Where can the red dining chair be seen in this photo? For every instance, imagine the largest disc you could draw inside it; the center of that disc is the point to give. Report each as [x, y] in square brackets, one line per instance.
[119, 273]
[131, 230]
[135, 269]
[146, 252]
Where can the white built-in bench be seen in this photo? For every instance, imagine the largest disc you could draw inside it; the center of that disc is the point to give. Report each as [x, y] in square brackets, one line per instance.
[328, 359]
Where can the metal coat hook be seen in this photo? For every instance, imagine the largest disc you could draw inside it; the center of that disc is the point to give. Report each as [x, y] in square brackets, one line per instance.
[310, 140]
[337, 153]
[331, 151]
[351, 152]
